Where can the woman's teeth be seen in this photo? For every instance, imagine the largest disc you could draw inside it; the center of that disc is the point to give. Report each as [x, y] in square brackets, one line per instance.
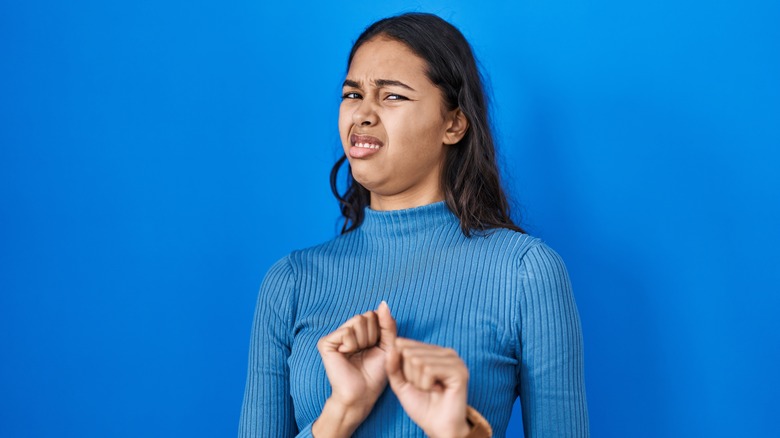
[367, 145]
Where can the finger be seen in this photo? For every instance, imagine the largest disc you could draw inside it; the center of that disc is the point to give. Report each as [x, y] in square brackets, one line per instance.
[406, 342]
[410, 364]
[417, 354]
[393, 366]
[332, 341]
[348, 340]
[434, 374]
[435, 349]
[418, 361]
[353, 335]
[426, 379]
[415, 360]
[425, 349]
[387, 326]
[441, 376]
[422, 360]
[372, 323]
[360, 328]
[359, 325]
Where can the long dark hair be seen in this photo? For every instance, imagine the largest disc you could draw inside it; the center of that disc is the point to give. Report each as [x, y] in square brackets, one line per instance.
[470, 179]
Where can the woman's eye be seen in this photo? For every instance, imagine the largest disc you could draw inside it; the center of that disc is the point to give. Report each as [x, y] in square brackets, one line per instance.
[350, 96]
[395, 97]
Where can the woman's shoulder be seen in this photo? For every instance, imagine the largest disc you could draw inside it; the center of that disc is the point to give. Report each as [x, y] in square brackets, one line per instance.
[519, 249]
[296, 258]
[510, 243]
[290, 267]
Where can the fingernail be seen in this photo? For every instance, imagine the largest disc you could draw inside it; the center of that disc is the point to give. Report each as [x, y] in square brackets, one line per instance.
[384, 303]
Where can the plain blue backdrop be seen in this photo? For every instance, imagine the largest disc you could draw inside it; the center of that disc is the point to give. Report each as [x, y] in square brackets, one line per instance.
[156, 157]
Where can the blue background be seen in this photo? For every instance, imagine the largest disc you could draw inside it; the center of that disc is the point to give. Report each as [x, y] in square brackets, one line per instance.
[157, 157]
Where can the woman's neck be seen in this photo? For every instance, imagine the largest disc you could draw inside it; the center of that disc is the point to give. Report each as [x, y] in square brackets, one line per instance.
[405, 200]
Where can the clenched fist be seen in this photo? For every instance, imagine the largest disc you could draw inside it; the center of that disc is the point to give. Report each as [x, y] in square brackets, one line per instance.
[431, 382]
[354, 356]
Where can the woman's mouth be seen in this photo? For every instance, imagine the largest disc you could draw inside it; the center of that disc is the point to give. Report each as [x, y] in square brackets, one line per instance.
[364, 145]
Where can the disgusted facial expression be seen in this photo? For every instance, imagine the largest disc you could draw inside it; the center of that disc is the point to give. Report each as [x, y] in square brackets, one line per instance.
[394, 126]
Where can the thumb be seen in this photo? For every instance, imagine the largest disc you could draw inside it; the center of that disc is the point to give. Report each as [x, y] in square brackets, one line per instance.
[388, 330]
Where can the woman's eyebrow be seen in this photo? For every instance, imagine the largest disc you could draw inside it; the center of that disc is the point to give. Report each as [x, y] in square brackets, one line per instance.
[379, 83]
[350, 83]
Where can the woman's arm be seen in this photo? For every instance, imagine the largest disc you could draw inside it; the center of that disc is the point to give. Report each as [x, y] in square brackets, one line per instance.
[550, 372]
[268, 408]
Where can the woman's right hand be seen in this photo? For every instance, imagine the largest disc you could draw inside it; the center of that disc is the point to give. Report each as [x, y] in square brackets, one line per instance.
[354, 358]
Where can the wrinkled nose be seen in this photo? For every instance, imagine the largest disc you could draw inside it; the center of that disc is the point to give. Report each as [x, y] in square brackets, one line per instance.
[365, 114]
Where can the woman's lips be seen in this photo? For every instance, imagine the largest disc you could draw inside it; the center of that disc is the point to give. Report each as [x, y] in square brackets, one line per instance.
[364, 145]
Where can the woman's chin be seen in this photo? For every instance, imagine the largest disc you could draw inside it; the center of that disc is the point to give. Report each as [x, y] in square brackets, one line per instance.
[367, 177]
[368, 184]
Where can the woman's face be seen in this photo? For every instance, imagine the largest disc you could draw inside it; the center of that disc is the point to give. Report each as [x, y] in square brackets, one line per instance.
[394, 127]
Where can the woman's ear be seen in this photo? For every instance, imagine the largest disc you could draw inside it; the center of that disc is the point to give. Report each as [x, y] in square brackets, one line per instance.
[458, 125]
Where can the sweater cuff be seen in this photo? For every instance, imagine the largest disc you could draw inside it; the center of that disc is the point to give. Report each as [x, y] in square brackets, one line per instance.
[480, 428]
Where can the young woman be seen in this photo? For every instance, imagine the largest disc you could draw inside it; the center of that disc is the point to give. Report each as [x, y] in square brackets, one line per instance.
[432, 311]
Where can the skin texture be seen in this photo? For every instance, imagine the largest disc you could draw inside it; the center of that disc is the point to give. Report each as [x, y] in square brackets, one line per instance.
[412, 124]
[364, 353]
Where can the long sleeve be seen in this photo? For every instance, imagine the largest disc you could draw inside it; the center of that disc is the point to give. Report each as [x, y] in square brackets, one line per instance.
[268, 406]
[501, 299]
[552, 386]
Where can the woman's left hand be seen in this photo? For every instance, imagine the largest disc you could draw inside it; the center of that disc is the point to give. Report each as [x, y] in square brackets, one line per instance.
[431, 382]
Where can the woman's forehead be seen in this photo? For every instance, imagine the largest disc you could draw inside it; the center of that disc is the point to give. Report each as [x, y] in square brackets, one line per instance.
[386, 60]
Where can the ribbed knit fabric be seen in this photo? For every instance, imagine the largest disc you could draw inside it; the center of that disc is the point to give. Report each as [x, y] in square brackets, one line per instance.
[501, 299]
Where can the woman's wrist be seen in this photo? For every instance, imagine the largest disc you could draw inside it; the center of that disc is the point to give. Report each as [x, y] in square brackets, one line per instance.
[337, 420]
[459, 431]
[477, 427]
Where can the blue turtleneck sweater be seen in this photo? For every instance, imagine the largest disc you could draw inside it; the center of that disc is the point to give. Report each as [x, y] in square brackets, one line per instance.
[501, 299]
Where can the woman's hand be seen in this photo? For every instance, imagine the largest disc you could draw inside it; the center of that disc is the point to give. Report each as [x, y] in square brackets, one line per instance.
[354, 357]
[431, 383]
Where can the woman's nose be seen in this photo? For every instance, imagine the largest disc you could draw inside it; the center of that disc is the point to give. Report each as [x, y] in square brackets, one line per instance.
[365, 114]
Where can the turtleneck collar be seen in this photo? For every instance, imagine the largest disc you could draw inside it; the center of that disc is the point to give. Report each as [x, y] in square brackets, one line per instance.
[407, 221]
